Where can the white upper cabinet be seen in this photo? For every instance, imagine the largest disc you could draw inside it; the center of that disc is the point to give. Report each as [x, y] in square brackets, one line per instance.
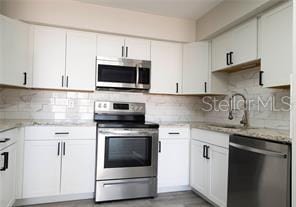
[235, 47]
[80, 61]
[49, 57]
[166, 71]
[276, 46]
[195, 68]
[110, 46]
[137, 48]
[15, 54]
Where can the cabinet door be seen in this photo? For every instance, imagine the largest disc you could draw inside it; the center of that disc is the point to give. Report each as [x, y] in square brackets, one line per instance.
[1, 48]
[244, 43]
[166, 72]
[137, 49]
[110, 46]
[276, 46]
[220, 48]
[199, 168]
[8, 179]
[195, 68]
[81, 61]
[78, 156]
[173, 163]
[15, 52]
[49, 58]
[218, 175]
[42, 162]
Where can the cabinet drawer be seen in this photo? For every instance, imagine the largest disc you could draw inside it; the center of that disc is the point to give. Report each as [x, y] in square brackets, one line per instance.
[214, 138]
[174, 132]
[8, 137]
[58, 132]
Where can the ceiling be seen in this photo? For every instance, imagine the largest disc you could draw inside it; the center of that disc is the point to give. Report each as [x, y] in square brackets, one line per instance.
[188, 9]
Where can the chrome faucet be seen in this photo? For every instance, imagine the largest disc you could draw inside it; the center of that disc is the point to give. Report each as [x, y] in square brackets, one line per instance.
[244, 120]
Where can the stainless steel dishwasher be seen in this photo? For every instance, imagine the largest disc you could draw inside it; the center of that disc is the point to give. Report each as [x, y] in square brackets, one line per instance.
[259, 173]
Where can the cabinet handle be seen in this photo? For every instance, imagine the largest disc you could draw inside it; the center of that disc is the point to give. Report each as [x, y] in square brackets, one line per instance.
[207, 152]
[174, 133]
[67, 82]
[4, 140]
[159, 146]
[25, 78]
[177, 87]
[260, 78]
[206, 90]
[122, 51]
[230, 58]
[204, 151]
[227, 58]
[64, 148]
[62, 81]
[6, 159]
[61, 133]
[126, 52]
[59, 147]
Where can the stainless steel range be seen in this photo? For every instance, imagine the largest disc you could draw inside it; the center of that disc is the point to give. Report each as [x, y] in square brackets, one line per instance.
[127, 149]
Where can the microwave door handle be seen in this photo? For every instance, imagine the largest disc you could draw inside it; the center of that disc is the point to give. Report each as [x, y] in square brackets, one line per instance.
[137, 75]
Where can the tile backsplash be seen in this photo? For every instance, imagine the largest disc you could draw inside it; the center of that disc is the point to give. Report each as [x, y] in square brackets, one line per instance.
[274, 115]
[79, 106]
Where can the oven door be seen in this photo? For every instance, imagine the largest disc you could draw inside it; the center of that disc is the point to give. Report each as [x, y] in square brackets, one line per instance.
[126, 153]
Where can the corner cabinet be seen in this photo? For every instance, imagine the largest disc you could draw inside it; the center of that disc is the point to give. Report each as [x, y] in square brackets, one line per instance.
[166, 72]
[236, 46]
[209, 165]
[63, 59]
[15, 53]
[195, 68]
[52, 154]
[276, 29]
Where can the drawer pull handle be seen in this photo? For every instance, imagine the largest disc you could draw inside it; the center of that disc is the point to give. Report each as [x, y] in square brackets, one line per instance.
[175, 133]
[62, 133]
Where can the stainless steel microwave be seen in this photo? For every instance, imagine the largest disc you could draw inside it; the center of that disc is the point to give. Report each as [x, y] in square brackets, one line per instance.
[122, 73]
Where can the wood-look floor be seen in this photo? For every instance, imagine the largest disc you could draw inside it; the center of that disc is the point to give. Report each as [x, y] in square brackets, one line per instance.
[178, 199]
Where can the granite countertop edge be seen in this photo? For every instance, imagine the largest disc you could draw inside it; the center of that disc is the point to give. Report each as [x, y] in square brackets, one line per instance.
[260, 133]
[277, 135]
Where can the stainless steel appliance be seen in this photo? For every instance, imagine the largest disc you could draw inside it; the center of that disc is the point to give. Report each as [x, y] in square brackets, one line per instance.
[123, 73]
[127, 150]
[259, 173]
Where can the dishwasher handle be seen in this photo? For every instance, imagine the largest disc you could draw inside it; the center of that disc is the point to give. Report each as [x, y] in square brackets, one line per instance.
[259, 151]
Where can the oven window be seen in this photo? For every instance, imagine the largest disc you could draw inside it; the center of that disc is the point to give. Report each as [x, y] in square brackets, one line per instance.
[128, 152]
[117, 74]
[144, 75]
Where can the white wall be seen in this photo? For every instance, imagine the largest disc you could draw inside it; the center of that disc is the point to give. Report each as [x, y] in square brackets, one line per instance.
[75, 14]
[228, 14]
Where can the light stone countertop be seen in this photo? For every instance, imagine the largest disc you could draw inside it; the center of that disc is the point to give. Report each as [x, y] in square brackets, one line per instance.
[260, 133]
[11, 124]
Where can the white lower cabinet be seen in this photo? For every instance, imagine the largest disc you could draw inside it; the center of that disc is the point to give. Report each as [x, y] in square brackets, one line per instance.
[42, 165]
[78, 157]
[173, 160]
[8, 178]
[58, 165]
[209, 167]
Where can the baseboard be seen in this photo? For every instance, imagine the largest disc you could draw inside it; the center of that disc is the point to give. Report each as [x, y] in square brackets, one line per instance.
[173, 189]
[53, 199]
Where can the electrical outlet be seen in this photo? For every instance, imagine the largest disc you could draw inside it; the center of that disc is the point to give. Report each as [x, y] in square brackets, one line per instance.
[70, 103]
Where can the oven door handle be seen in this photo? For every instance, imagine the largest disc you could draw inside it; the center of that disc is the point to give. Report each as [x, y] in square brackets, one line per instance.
[127, 133]
[125, 183]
